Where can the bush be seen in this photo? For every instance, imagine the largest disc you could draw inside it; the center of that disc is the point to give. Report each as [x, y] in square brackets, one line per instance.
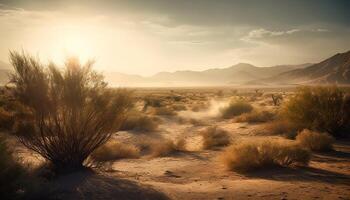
[214, 137]
[113, 150]
[165, 111]
[66, 114]
[253, 154]
[165, 147]
[179, 107]
[280, 127]
[325, 109]
[11, 172]
[235, 109]
[140, 122]
[256, 117]
[315, 141]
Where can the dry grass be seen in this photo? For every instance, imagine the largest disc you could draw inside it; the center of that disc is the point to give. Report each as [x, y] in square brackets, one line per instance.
[197, 122]
[325, 109]
[140, 122]
[214, 137]
[164, 111]
[236, 108]
[253, 154]
[280, 127]
[179, 107]
[256, 117]
[166, 147]
[315, 141]
[114, 150]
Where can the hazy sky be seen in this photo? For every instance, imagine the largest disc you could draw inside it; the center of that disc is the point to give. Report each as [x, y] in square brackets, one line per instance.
[147, 36]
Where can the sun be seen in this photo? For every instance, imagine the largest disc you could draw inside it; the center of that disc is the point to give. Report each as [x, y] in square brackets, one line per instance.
[73, 44]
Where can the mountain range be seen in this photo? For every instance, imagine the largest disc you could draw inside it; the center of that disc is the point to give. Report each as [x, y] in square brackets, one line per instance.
[333, 70]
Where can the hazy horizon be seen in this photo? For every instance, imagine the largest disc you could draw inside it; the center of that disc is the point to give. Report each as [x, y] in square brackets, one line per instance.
[143, 38]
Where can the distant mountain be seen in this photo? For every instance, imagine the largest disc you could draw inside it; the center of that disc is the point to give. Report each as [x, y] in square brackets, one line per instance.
[235, 74]
[335, 69]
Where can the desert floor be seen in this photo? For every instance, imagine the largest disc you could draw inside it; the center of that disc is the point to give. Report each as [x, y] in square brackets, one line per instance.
[199, 174]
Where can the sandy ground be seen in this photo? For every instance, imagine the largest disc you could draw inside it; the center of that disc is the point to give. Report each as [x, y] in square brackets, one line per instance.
[200, 175]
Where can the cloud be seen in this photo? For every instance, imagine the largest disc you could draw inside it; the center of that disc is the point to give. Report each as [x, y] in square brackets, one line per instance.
[263, 33]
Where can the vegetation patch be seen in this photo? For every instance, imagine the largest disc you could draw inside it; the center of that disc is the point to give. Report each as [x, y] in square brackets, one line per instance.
[214, 137]
[254, 154]
[114, 150]
[325, 109]
[315, 141]
[256, 117]
[236, 108]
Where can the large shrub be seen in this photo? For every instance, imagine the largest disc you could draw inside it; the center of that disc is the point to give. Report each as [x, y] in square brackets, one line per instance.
[236, 108]
[65, 114]
[255, 154]
[114, 150]
[325, 109]
[214, 137]
[315, 141]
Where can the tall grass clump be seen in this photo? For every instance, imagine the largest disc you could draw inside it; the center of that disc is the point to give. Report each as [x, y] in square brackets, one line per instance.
[236, 108]
[114, 150]
[214, 137]
[256, 117]
[324, 109]
[65, 114]
[280, 127]
[315, 141]
[254, 154]
[140, 122]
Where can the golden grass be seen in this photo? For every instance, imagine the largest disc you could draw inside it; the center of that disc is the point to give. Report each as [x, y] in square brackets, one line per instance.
[140, 122]
[164, 111]
[256, 117]
[255, 154]
[280, 127]
[214, 137]
[315, 141]
[166, 147]
[236, 108]
[114, 150]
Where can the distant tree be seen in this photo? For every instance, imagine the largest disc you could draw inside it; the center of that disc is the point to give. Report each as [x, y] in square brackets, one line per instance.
[64, 114]
[276, 99]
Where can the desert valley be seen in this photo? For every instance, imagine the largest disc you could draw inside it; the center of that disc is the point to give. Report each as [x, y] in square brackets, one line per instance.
[72, 128]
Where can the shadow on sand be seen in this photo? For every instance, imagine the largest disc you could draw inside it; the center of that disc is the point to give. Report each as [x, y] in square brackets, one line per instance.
[341, 154]
[302, 174]
[89, 185]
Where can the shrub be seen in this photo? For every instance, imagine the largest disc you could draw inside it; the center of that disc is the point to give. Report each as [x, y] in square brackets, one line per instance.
[280, 127]
[165, 111]
[140, 122]
[315, 141]
[165, 147]
[253, 154]
[179, 107]
[235, 109]
[214, 137]
[11, 172]
[325, 109]
[113, 150]
[66, 114]
[256, 117]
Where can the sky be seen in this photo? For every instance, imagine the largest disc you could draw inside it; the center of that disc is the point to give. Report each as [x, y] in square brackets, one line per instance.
[148, 36]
